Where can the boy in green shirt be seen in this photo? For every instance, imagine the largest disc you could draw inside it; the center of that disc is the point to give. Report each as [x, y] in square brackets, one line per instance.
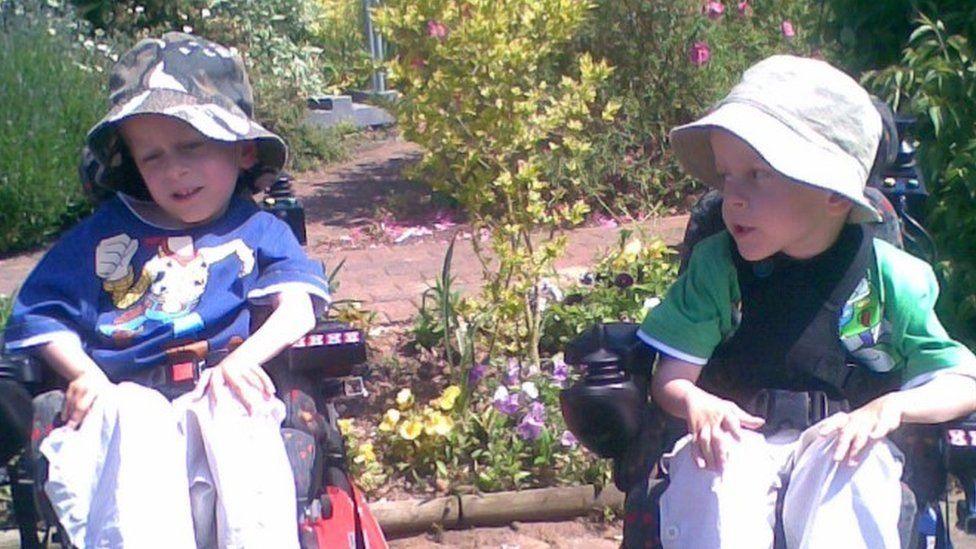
[794, 291]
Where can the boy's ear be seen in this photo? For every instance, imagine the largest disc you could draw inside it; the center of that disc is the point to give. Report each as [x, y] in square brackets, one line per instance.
[249, 154]
[838, 205]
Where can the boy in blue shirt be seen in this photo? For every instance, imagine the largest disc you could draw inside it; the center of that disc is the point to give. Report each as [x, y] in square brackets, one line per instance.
[160, 279]
[795, 295]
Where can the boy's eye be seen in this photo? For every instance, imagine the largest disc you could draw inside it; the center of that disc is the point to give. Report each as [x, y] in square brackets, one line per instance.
[192, 146]
[150, 158]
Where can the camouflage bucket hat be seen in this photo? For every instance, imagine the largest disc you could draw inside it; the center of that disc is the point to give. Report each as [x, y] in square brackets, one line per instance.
[189, 78]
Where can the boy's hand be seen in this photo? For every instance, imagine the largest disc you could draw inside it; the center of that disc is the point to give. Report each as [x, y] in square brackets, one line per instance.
[247, 380]
[715, 424]
[81, 395]
[866, 425]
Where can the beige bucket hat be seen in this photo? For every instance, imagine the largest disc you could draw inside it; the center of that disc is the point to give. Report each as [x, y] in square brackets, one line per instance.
[808, 120]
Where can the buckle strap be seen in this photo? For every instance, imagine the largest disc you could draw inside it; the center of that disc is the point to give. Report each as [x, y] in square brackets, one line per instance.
[798, 410]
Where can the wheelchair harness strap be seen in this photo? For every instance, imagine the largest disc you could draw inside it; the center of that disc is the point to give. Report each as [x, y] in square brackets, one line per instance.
[788, 337]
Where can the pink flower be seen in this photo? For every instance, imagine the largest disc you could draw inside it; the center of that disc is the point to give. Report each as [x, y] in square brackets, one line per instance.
[787, 28]
[699, 54]
[436, 29]
[713, 9]
[744, 8]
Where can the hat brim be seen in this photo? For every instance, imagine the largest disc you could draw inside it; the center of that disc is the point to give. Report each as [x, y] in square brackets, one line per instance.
[211, 120]
[782, 148]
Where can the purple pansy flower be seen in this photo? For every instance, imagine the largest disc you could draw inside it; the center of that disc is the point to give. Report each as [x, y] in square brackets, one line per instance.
[477, 373]
[504, 402]
[568, 439]
[533, 422]
[560, 370]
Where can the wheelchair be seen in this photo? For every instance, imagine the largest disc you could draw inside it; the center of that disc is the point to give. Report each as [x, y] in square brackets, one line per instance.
[609, 412]
[319, 378]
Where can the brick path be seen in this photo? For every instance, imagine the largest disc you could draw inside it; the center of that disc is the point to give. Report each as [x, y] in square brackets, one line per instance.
[390, 279]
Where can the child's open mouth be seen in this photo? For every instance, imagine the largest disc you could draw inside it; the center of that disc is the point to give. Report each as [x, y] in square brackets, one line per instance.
[741, 230]
[186, 193]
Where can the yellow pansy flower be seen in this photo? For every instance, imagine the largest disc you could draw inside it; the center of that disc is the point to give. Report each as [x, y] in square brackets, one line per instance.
[345, 426]
[404, 399]
[438, 424]
[390, 420]
[365, 454]
[411, 429]
[449, 397]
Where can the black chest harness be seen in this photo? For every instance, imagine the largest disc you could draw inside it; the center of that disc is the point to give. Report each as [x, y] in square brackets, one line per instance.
[788, 339]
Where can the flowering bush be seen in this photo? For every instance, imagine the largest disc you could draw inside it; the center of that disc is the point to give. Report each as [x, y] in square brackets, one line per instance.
[671, 61]
[496, 122]
[622, 286]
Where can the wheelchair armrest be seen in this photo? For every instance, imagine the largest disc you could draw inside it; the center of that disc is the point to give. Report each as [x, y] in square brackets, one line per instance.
[959, 439]
[330, 349]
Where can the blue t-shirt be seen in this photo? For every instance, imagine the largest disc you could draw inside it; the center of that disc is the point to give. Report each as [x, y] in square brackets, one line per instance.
[130, 289]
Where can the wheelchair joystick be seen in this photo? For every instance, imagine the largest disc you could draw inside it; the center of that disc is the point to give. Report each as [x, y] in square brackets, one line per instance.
[281, 202]
[603, 410]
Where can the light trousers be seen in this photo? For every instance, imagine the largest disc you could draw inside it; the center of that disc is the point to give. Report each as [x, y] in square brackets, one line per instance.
[143, 472]
[826, 503]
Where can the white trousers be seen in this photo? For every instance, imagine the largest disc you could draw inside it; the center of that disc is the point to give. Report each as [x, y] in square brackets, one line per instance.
[826, 504]
[142, 472]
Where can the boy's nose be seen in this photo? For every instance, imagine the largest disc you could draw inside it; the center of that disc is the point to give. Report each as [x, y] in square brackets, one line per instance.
[176, 169]
[732, 196]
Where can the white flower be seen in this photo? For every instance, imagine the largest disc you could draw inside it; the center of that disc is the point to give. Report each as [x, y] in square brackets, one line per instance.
[205, 13]
[187, 29]
[140, 9]
[530, 390]
[651, 302]
[102, 48]
[88, 44]
[501, 393]
[52, 32]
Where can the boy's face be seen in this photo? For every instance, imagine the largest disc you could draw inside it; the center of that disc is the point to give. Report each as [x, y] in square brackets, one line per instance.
[190, 176]
[767, 213]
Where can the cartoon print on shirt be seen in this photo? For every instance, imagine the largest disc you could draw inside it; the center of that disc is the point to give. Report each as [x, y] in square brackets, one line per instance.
[864, 331]
[169, 286]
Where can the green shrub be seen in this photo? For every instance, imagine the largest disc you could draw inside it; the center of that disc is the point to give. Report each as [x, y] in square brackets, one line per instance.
[649, 44]
[936, 80]
[52, 93]
[866, 34]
